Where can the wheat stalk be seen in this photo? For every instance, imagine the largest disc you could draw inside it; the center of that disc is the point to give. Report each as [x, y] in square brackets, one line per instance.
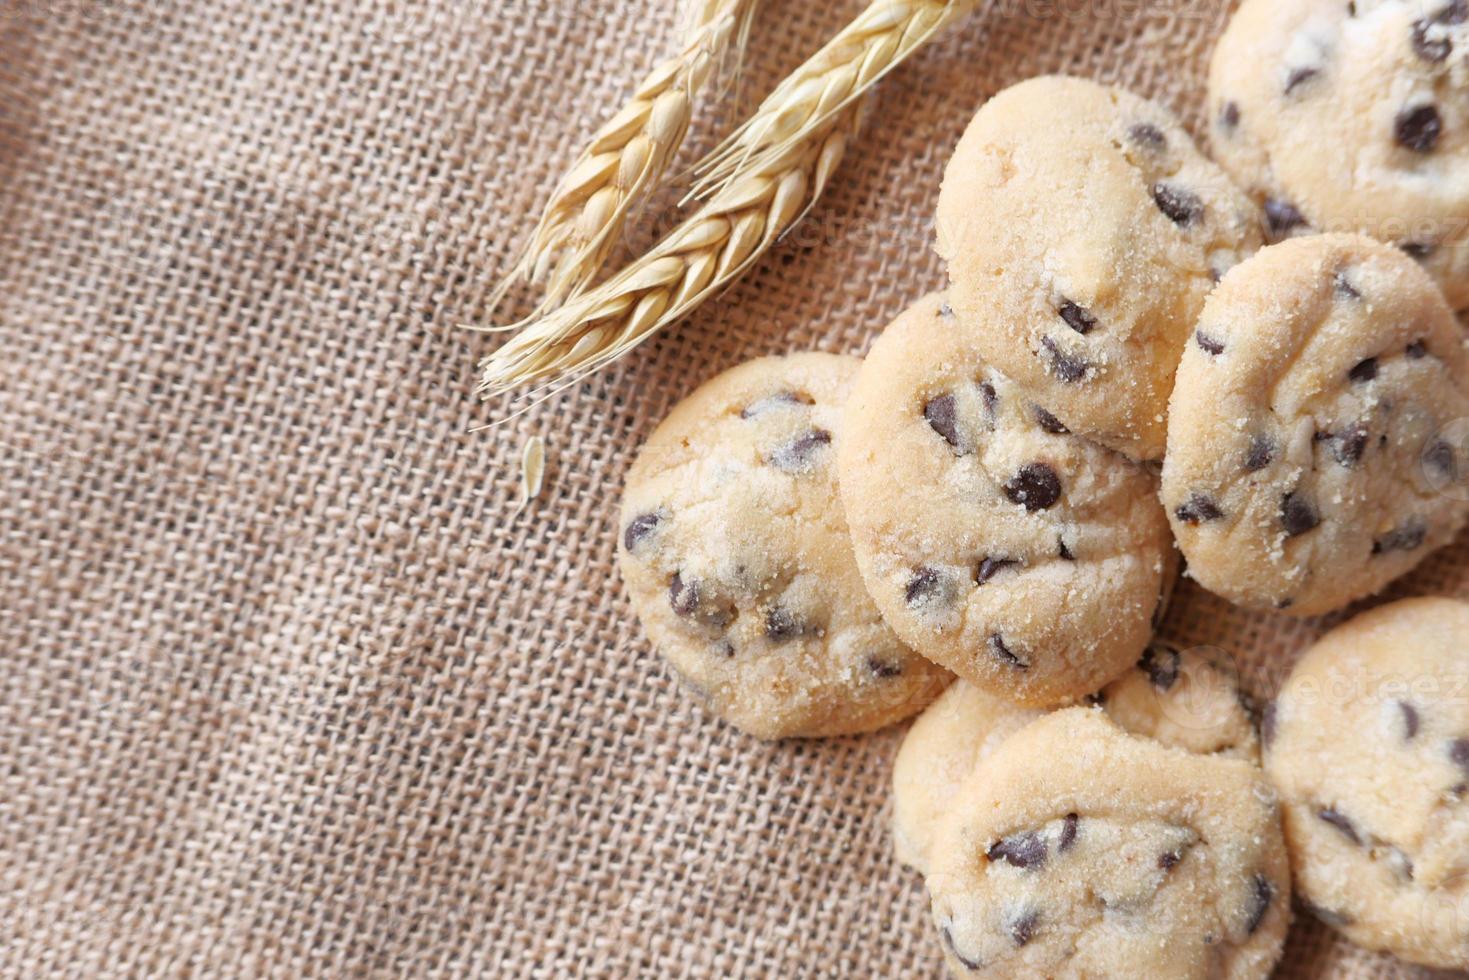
[878, 40]
[759, 183]
[628, 155]
[704, 254]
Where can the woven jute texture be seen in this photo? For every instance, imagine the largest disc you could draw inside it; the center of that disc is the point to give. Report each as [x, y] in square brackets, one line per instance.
[288, 687]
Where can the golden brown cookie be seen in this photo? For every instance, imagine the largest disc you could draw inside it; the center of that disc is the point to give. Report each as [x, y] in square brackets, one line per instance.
[1312, 455]
[1368, 744]
[739, 564]
[1352, 117]
[1082, 230]
[1022, 557]
[1077, 850]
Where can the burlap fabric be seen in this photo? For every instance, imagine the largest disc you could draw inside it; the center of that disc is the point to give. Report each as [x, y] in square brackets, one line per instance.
[288, 688]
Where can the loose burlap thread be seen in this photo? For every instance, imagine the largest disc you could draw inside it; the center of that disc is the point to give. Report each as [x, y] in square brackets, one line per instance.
[290, 689]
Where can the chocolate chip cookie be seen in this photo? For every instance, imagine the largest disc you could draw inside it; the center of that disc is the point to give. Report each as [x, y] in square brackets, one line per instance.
[1368, 744]
[1353, 116]
[1078, 850]
[1310, 450]
[1082, 230]
[997, 543]
[739, 565]
[1185, 698]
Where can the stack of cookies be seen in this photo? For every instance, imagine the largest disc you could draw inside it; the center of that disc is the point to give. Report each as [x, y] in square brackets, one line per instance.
[1142, 359]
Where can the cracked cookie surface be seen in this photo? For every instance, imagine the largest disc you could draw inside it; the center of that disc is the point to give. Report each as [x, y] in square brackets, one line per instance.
[1314, 451]
[1024, 558]
[1368, 744]
[1189, 699]
[1082, 230]
[1352, 117]
[1077, 850]
[738, 561]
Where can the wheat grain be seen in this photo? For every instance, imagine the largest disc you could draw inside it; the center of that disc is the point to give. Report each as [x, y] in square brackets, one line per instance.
[704, 254]
[878, 40]
[628, 155]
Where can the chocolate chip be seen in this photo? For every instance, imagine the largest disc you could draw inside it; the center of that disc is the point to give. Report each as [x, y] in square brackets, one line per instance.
[1416, 350]
[1168, 860]
[1455, 13]
[1418, 250]
[925, 585]
[1198, 509]
[943, 418]
[1209, 344]
[683, 596]
[1364, 370]
[1299, 77]
[964, 961]
[1068, 368]
[1182, 207]
[1161, 664]
[639, 529]
[1459, 752]
[1068, 833]
[1262, 894]
[1268, 721]
[1078, 318]
[946, 311]
[991, 399]
[1410, 720]
[1049, 422]
[1063, 552]
[1347, 447]
[777, 400]
[781, 624]
[1022, 930]
[1418, 128]
[1262, 451]
[1440, 456]
[1284, 603]
[1298, 514]
[1344, 287]
[797, 454]
[883, 668]
[1004, 653]
[1341, 823]
[1148, 135]
[1035, 487]
[1024, 850]
[1229, 115]
[1282, 217]
[1430, 49]
[1407, 537]
[989, 567]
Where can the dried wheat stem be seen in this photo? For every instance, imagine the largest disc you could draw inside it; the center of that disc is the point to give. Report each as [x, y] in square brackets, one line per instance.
[629, 154]
[704, 254]
[878, 40]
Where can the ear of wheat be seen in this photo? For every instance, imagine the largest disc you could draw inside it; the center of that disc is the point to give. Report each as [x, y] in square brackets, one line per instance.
[878, 40]
[704, 254]
[763, 179]
[628, 155]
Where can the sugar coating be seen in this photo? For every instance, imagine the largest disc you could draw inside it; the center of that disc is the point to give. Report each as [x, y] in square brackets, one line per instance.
[1312, 447]
[1082, 230]
[1077, 850]
[1352, 117]
[1024, 558]
[739, 565]
[1369, 747]
[1189, 699]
